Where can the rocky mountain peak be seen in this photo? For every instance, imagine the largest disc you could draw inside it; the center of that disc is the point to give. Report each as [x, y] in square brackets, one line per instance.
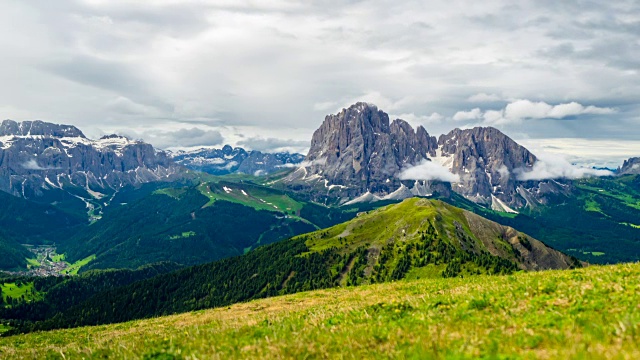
[485, 158]
[38, 128]
[358, 150]
[357, 155]
[113, 136]
[227, 149]
[631, 166]
[38, 157]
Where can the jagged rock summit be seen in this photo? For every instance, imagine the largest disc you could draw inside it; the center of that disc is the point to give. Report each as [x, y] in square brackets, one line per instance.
[358, 154]
[41, 128]
[630, 167]
[37, 156]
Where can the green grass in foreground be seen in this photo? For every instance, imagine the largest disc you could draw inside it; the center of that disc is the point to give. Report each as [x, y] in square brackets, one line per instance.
[75, 267]
[586, 313]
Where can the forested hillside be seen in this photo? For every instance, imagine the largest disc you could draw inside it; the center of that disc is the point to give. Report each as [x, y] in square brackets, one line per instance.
[599, 222]
[436, 240]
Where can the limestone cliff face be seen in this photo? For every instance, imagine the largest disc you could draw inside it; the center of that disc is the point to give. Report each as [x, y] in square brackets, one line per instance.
[631, 166]
[360, 149]
[358, 154]
[36, 156]
[485, 160]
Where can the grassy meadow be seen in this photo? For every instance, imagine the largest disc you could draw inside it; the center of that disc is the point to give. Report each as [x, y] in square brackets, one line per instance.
[588, 313]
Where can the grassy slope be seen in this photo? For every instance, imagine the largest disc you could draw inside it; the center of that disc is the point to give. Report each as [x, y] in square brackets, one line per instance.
[585, 313]
[75, 267]
[598, 217]
[16, 292]
[403, 223]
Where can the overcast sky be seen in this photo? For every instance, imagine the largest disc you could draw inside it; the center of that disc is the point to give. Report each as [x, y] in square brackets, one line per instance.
[263, 74]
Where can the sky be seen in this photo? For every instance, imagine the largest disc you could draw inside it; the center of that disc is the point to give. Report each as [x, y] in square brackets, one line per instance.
[561, 76]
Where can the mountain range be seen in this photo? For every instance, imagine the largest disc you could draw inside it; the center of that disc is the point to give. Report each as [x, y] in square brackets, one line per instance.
[359, 155]
[146, 232]
[228, 160]
[37, 156]
[136, 197]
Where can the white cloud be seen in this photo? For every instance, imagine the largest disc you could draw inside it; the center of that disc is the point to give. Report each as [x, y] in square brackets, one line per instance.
[321, 106]
[526, 109]
[517, 111]
[473, 114]
[379, 99]
[230, 165]
[417, 120]
[274, 145]
[504, 172]
[32, 164]
[585, 152]
[428, 170]
[484, 97]
[557, 167]
[180, 138]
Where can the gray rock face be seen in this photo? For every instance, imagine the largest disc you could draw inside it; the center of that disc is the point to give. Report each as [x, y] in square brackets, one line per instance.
[485, 160]
[630, 167]
[359, 151]
[34, 128]
[357, 155]
[36, 156]
[230, 160]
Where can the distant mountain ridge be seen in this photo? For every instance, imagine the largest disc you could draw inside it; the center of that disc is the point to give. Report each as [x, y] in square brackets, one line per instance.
[37, 156]
[231, 160]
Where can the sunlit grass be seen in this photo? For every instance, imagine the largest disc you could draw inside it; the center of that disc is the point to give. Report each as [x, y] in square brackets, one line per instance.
[589, 313]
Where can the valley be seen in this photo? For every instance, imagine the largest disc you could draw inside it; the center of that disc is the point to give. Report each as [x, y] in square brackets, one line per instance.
[153, 247]
[207, 179]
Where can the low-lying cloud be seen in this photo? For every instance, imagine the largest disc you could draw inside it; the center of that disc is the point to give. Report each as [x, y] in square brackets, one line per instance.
[556, 167]
[32, 164]
[182, 138]
[275, 145]
[522, 109]
[484, 97]
[428, 170]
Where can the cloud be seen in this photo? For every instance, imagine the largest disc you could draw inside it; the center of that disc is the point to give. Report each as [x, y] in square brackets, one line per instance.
[230, 165]
[585, 152]
[474, 114]
[526, 109]
[127, 66]
[32, 164]
[321, 106]
[181, 138]
[504, 172]
[484, 97]
[417, 120]
[557, 167]
[428, 170]
[274, 144]
[522, 109]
